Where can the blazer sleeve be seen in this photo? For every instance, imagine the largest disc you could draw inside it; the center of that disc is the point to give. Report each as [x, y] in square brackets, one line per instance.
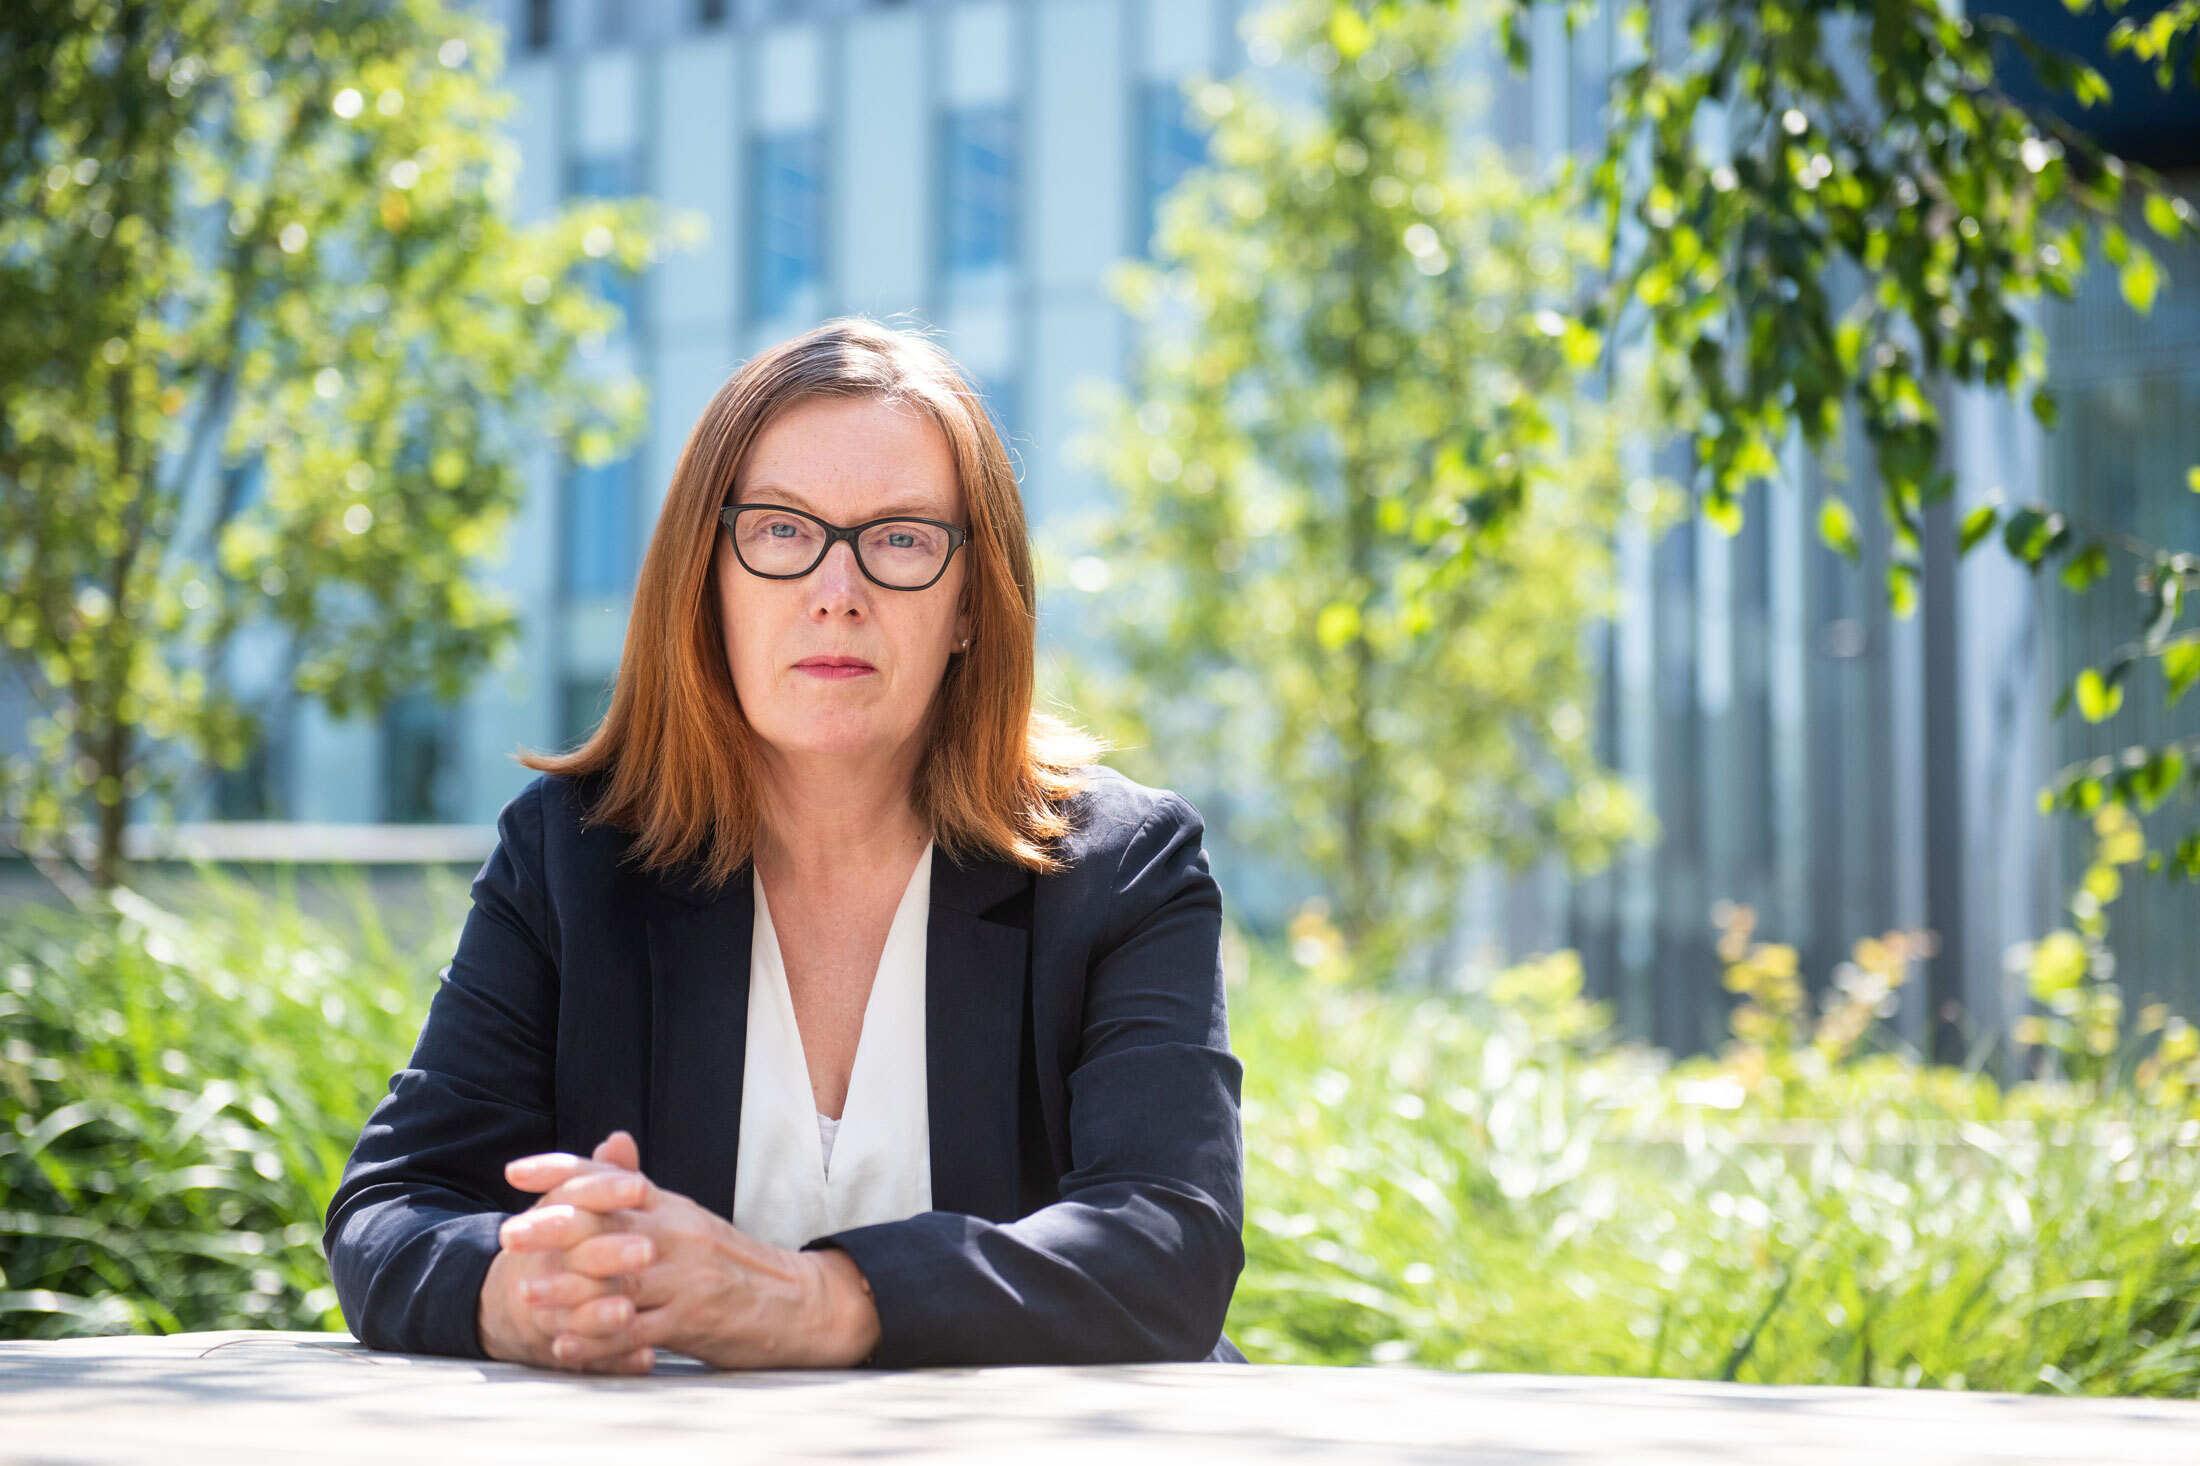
[1137, 1260]
[412, 1228]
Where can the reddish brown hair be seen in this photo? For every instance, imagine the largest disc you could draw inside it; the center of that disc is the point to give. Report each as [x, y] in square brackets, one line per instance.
[678, 759]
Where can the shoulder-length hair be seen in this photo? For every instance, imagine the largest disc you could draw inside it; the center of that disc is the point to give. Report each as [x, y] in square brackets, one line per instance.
[675, 761]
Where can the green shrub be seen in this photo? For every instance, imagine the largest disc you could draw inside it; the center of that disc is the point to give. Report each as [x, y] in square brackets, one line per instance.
[178, 1094]
[1485, 1180]
[1490, 1182]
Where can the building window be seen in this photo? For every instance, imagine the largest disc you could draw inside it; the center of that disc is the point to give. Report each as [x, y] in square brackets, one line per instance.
[602, 176]
[978, 174]
[788, 206]
[999, 398]
[1169, 148]
[249, 792]
[607, 176]
[542, 24]
[582, 702]
[417, 749]
[599, 529]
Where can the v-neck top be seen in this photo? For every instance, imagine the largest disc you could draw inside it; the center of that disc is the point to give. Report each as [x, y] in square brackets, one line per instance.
[799, 1175]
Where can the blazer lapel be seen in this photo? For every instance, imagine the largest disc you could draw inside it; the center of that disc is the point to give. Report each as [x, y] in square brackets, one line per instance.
[699, 1028]
[975, 988]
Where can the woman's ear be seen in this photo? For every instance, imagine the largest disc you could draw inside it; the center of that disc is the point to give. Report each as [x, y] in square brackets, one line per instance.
[964, 622]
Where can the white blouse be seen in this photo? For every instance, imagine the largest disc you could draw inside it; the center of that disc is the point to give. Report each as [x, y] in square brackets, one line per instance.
[800, 1174]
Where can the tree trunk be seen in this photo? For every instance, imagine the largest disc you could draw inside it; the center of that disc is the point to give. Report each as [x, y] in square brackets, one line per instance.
[1361, 917]
[113, 761]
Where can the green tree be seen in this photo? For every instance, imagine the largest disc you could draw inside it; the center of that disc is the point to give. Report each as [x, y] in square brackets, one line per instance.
[271, 346]
[1760, 153]
[1366, 489]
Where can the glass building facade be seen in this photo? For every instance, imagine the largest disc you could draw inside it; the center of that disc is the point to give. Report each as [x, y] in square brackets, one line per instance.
[788, 169]
[978, 193]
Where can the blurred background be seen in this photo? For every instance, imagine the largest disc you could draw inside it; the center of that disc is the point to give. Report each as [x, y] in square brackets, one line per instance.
[1756, 730]
[981, 166]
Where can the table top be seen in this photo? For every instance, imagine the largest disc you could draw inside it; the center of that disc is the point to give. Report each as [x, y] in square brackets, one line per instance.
[246, 1397]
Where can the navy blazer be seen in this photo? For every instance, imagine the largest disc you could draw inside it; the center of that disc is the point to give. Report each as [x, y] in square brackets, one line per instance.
[1087, 1169]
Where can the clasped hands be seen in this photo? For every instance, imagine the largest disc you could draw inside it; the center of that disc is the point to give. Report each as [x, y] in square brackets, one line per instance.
[608, 1267]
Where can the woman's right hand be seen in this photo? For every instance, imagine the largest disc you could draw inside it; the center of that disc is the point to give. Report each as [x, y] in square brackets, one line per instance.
[516, 1317]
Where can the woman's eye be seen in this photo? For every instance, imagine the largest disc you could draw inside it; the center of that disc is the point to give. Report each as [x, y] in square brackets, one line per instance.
[781, 530]
[901, 539]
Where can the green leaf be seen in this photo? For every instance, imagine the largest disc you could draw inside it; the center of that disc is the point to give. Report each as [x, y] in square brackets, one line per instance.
[2085, 567]
[1338, 623]
[2097, 697]
[2187, 859]
[2141, 279]
[2044, 408]
[1902, 589]
[1725, 513]
[2154, 780]
[2031, 535]
[2180, 667]
[2058, 965]
[1837, 528]
[1977, 525]
[2162, 215]
[2192, 479]
[1348, 32]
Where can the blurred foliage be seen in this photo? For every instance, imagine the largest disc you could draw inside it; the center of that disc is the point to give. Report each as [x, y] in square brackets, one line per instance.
[179, 1090]
[1819, 209]
[1782, 1052]
[1492, 1180]
[1822, 206]
[1366, 487]
[2139, 778]
[272, 346]
[2079, 1028]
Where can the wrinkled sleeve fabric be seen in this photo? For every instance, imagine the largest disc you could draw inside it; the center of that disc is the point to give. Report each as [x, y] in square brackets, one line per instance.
[412, 1228]
[1138, 1259]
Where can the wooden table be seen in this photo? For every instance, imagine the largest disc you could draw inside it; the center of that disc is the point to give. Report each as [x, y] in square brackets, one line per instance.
[290, 1397]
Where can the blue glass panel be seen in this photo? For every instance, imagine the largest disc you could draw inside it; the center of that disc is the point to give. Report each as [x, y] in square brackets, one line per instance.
[603, 176]
[599, 529]
[788, 184]
[978, 171]
[1171, 147]
[1001, 406]
[582, 703]
[607, 176]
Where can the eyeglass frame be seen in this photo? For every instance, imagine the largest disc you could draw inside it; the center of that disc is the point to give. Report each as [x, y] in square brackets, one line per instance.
[957, 537]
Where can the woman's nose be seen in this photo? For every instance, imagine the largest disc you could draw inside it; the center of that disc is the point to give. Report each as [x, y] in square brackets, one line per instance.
[837, 588]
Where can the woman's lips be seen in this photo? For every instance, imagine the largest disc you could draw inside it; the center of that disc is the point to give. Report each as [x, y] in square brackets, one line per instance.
[835, 667]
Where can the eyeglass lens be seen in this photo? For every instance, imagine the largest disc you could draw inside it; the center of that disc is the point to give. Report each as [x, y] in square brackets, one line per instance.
[897, 552]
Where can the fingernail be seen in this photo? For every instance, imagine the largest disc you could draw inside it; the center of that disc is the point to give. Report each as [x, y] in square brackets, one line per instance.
[566, 1348]
[534, 1290]
[634, 1253]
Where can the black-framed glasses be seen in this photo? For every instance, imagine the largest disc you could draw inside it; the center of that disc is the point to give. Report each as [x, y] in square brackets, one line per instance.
[782, 543]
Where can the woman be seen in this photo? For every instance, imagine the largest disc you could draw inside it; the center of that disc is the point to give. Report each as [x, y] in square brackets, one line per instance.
[891, 1029]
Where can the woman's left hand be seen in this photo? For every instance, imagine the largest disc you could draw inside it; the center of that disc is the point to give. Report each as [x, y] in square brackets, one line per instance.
[712, 1291]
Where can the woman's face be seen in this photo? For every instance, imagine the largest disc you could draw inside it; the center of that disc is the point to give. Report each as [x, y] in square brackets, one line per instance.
[833, 663]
